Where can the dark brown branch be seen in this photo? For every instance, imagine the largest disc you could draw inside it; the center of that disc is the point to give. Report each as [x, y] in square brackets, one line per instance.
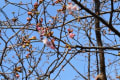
[98, 17]
[96, 47]
[99, 40]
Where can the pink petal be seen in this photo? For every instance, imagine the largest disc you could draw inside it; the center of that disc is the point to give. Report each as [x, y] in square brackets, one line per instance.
[45, 41]
[75, 7]
[52, 47]
[71, 35]
[38, 28]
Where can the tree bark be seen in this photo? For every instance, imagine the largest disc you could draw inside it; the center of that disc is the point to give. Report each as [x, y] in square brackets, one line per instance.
[99, 41]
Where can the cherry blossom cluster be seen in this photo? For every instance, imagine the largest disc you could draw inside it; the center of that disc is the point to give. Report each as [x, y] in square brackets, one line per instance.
[49, 43]
[45, 32]
[71, 8]
[71, 35]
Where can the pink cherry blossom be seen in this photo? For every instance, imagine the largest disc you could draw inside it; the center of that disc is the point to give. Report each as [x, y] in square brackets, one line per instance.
[45, 41]
[42, 32]
[50, 20]
[72, 7]
[48, 43]
[69, 6]
[17, 75]
[38, 28]
[71, 35]
[75, 7]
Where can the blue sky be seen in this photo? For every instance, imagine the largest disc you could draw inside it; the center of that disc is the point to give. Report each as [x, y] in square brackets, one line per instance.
[79, 61]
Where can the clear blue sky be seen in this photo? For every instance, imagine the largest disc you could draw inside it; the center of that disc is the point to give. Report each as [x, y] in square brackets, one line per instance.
[79, 61]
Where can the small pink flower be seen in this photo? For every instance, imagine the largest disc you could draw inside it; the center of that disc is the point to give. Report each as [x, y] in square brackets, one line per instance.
[42, 32]
[17, 75]
[50, 20]
[75, 7]
[71, 35]
[52, 47]
[45, 41]
[69, 6]
[72, 7]
[38, 28]
[48, 43]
